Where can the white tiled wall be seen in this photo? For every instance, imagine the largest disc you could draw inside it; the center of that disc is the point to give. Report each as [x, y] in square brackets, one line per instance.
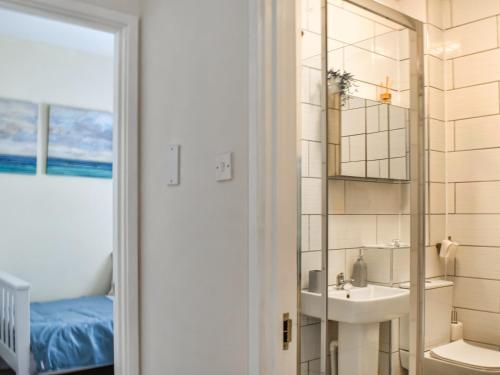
[462, 74]
[361, 212]
[473, 163]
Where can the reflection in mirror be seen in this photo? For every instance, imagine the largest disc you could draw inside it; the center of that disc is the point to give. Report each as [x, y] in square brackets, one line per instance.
[368, 139]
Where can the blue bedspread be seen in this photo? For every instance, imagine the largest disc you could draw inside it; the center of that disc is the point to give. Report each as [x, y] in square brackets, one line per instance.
[72, 333]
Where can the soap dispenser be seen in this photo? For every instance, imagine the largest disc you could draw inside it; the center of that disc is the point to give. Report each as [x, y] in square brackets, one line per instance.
[360, 271]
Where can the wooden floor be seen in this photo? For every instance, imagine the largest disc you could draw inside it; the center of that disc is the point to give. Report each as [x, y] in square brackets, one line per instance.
[98, 371]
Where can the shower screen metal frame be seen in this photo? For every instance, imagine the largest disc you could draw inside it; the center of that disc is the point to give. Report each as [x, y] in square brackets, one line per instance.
[417, 184]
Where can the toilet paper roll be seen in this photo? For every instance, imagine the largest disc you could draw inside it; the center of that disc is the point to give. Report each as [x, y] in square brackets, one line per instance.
[448, 249]
[457, 331]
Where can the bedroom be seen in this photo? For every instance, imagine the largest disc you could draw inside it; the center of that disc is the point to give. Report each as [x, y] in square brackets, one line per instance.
[56, 191]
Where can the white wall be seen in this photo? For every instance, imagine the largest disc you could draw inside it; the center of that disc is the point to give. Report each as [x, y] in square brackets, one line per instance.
[194, 237]
[56, 232]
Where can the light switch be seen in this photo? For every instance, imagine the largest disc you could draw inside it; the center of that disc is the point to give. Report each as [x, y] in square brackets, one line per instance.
[223, 167]
[173, 165]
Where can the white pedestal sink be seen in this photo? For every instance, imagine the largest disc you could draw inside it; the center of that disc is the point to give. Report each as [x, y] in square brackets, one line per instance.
[359, 312]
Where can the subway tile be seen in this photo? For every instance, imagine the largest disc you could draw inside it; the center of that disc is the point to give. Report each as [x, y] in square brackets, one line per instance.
[387, 44]
[483, 132]
[436, 74]
[371, 198]
[310, 45]
[377, 145]
[315, 232]
[348, 27]
[404, 75]
[304, 233]
[370, 67]
[451, 192]
[475, 101]
[448, 75]
[478, 326]
[437, 166]
[477, 294]
[437, 228]
[474, 37]
[315, 86]
[433, 265]
[315, 157]
[336, 196]
[435, 103]
[304, 85]
[478, 68]
[311, 196]
[314, 16]
[305, 159]
[401, 265]
[398, 118]
[433, 41]
[357, 147]
[345, 149]
[336, 59]
[435, 13]
[348, 231]
[388, 228]
[450, 136]
[398, 168]
[355, 169]
[404, 231]
[404, 44]
[311, 122]
[464, 11]
[483, 262]
[310, 260]
[437, 198]
[398, 143]
[373, 168]
[437, 135]
[475, 230]
[477, 165]
[478, 197]
[310, 342]
[446, 13]
[353, 122]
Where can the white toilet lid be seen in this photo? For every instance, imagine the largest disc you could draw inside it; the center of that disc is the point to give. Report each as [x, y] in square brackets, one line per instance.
[464, 354]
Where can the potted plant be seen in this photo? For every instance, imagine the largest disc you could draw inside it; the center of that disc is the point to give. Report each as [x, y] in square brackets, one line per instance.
[342, 83]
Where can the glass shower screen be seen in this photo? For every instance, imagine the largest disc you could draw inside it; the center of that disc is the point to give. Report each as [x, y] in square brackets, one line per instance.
[362, 188]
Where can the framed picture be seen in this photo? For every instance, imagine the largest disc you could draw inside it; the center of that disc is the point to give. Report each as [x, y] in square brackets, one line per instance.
[18, 136]
[80, 142]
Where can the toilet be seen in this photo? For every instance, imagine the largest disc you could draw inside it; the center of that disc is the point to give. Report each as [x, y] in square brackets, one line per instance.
[443, 357]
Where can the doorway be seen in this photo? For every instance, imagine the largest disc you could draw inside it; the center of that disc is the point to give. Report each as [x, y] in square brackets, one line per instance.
[123, 189]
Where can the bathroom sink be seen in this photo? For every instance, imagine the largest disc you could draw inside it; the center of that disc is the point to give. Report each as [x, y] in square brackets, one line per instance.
[359, 312]
[372, 304]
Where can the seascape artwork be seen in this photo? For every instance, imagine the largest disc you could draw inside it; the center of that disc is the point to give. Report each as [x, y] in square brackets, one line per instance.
[80, 142]
[18, 136]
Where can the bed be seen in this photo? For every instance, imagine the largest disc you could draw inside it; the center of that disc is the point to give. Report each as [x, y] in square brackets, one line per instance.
[53, 337]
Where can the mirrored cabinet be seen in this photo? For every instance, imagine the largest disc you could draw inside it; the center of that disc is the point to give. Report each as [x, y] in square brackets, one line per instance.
[368, 139]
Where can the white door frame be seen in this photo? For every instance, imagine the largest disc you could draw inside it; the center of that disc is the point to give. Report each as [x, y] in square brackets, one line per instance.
[125, 161]
[273, 200]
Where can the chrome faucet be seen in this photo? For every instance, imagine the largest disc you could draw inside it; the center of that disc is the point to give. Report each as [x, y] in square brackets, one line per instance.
[341, 281]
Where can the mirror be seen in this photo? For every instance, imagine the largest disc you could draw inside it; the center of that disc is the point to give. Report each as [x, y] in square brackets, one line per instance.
[368, 139]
